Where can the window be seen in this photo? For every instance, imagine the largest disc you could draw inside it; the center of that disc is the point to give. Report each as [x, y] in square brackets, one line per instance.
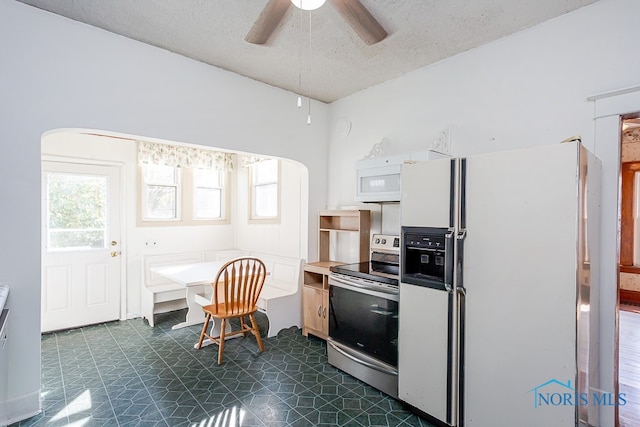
[174, 196]
[630, 198]
[182, 185]
[265, 190]
[208, 194]
[629, 255]
[76, 211]
[161, 189]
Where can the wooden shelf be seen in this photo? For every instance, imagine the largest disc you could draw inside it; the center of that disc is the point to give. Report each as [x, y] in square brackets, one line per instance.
[315, 290]
[352, 221]
[341, 220]
[321, 267]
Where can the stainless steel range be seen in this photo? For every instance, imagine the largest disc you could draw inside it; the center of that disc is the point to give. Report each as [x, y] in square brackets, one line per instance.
[363, 316]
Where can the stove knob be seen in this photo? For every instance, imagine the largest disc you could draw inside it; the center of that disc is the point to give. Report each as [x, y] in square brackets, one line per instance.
[377, 241]
[384, 241]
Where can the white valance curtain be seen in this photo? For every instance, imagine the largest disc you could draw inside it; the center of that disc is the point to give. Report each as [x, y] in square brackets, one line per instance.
[246, 160]
[183, 156]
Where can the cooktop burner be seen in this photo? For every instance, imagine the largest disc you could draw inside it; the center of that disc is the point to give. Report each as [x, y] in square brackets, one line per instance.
[384, 266]
[378, 272]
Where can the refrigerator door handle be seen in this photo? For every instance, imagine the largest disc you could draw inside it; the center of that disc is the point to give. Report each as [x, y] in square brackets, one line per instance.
[462, 234]
[448, 250]
[461, 357]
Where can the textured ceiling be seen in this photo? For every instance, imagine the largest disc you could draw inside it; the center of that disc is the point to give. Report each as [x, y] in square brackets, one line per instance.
[330, 61]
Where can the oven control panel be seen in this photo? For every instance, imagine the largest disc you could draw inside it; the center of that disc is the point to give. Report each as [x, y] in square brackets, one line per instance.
[385, 243]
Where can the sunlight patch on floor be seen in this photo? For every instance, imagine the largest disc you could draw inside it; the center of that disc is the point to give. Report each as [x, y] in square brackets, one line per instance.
[82, 403]
[231, 417]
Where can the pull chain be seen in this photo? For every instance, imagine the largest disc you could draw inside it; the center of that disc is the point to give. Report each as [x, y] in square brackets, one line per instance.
[309, 98]
[300, 60]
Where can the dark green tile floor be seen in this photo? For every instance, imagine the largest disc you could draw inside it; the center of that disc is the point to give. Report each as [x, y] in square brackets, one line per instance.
[129, 374]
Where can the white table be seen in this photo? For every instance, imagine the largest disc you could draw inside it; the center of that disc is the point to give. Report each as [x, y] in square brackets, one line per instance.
[194, 277]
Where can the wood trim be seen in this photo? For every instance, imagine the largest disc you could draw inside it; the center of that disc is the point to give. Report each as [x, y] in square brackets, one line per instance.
[630, 269]
[627, 175]
[629, 297]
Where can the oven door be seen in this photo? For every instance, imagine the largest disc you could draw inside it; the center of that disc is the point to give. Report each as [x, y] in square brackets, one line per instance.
[364, 316]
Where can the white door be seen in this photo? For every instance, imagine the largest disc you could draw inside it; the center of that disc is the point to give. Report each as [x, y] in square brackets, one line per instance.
[81, 245]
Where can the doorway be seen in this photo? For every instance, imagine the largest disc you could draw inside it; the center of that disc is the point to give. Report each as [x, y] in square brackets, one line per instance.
[629, 271]
[81, 146]
[81, 266]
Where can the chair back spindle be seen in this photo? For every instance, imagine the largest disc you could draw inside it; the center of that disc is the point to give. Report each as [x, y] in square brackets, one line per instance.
[236, 290]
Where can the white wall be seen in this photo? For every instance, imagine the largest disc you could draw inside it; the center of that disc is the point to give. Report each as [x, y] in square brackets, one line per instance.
[283, 236]
[56, 73]
[524, 90]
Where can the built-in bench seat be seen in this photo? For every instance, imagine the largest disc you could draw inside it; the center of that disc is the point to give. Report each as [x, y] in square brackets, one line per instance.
[159, 294]
[280, 299]
[281, 296]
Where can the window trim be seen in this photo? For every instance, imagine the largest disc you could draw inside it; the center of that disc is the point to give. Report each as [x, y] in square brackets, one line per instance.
[252, 219]
[47, 173]
[223, 179]
[186, 202]
[144, 200]
[628, 171]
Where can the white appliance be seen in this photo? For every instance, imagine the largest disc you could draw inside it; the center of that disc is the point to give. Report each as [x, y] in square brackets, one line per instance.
[4, 365]
[498, 287]
[4, 352]
[378, 178]
[363, 316]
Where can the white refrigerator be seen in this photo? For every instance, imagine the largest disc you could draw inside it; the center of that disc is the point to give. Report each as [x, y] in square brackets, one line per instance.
[498, 288]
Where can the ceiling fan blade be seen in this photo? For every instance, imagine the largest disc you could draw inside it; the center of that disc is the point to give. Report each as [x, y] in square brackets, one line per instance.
[362, 22]
[267, 21]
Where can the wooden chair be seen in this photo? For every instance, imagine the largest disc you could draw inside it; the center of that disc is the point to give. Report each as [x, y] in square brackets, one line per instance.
[235, 295]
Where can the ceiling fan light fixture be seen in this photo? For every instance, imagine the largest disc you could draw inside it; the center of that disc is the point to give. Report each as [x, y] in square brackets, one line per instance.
[308, 4]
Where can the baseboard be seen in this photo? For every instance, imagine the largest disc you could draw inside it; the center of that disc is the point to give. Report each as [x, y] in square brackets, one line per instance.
[629, 297]
[23, 407]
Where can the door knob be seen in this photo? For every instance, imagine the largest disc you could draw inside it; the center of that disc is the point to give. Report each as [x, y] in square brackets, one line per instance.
[114, 254]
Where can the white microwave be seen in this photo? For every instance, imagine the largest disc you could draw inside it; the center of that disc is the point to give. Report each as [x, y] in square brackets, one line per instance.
[378, 179]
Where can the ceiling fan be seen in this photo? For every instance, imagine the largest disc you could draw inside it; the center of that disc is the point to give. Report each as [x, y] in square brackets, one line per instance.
[354, 12]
